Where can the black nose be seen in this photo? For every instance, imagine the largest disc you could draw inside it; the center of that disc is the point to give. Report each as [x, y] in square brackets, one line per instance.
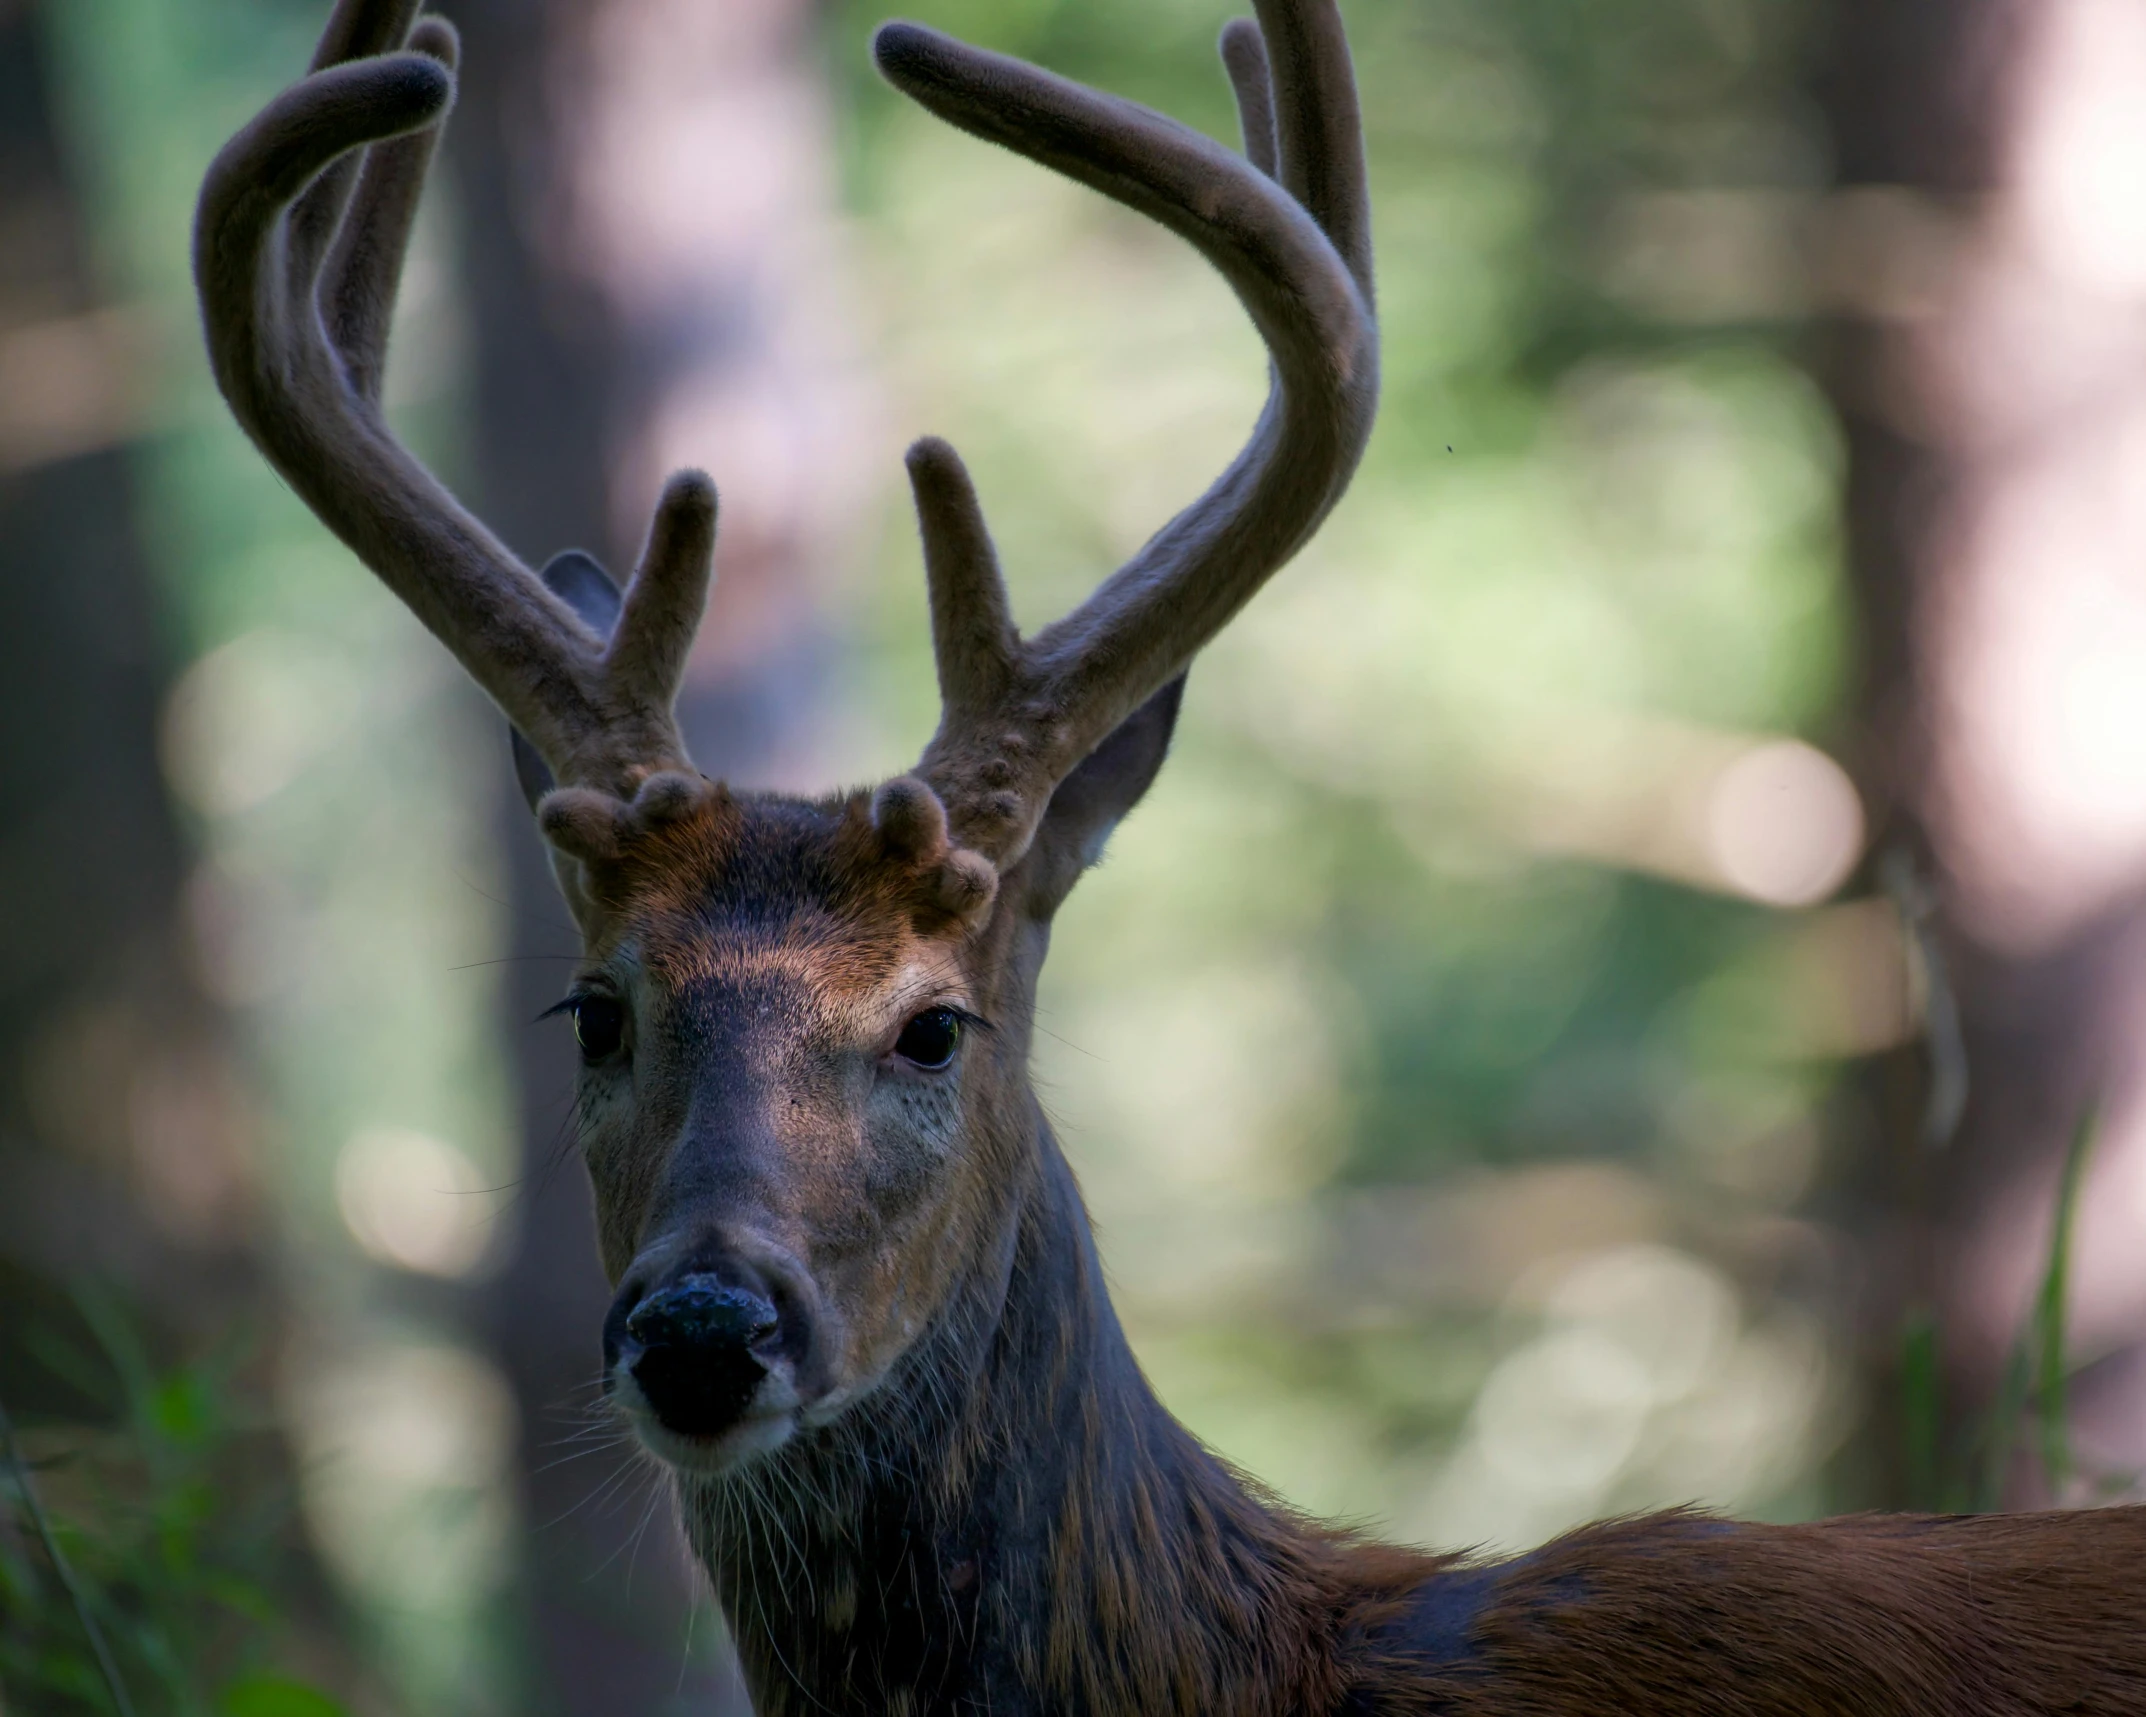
[696, 1366]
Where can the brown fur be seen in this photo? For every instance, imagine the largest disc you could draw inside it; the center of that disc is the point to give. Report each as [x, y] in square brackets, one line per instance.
[954, 1490]
[1872, 1616]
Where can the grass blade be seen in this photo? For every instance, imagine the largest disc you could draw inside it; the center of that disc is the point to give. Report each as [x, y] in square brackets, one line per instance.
[2050, 1307]
[1922, 1411]
[19, 1470]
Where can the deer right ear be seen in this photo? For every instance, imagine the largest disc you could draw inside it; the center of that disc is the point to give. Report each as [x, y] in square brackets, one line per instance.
[583, 585]
[1095, 798]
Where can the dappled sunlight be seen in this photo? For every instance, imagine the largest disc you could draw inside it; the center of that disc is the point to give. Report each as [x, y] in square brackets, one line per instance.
[415, 1202]
[2041, 656]
[1247, 1058]
[1640, 1388]
[1783, 824]
[406, 1485]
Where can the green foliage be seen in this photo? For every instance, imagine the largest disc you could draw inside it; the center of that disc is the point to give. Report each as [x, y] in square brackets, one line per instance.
[144, 1561]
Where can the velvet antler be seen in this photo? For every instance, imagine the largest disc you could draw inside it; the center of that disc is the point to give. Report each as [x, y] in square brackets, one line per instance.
[304, 221]
[299, 241]
[1289, 228]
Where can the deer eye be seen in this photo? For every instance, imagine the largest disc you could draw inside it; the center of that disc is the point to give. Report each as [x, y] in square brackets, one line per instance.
[929, 1040]
[599, 1026]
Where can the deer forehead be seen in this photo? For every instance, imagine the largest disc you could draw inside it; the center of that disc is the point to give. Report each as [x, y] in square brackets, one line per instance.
[842, 965]
[840, 991]
[783, 897]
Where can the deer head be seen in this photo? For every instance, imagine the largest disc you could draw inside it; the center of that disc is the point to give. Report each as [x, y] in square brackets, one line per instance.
[804, 1025]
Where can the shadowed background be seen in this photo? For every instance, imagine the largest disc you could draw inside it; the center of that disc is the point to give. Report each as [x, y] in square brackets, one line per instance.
[1591, 1017]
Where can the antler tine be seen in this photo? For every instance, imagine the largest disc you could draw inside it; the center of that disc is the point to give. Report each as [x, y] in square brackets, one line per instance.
[663, 603]
[356, 30]
[973, 639]
[363, 270]
[1318, 125]
[1297, 253]
[361, 29]
[299, 241]
[1244, 57]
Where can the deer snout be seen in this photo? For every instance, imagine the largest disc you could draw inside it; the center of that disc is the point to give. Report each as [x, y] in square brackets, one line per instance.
[697, 1349]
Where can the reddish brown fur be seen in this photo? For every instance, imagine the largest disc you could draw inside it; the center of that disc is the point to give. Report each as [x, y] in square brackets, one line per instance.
[1872, 1616]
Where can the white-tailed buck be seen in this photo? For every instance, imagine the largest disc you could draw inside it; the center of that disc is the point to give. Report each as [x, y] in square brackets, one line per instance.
[859, 1312]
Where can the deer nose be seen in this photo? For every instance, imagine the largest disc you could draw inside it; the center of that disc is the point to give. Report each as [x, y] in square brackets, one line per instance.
[696, 1366]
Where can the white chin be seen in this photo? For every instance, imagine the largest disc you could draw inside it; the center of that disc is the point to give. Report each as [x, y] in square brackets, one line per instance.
[755, 1435]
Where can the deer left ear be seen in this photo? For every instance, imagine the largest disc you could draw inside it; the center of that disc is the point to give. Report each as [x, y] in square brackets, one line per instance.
[1094, 799]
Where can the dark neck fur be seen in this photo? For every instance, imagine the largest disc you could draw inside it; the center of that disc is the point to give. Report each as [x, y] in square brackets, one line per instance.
[1015, 1524]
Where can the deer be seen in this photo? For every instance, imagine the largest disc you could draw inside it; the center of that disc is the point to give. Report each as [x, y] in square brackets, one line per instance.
[861, 1321]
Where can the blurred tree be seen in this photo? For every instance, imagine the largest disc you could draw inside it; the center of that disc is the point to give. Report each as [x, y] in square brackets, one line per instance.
[136, 1290]
[1983, 253]
[1911, 103]
[122, 1136]
[653, 275]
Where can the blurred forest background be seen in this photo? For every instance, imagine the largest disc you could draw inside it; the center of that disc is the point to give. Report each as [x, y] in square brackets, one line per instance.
[1591, 1018]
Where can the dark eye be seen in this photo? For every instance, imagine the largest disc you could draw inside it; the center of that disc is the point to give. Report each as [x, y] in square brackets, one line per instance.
[929, 1039]
[599, 1026]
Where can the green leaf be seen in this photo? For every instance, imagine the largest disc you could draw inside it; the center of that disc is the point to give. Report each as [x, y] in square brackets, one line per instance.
[272, 1696]
[181, 1410]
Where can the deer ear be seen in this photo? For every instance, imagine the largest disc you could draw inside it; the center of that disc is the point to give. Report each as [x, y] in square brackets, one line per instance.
[1094, 799]
[583, 585]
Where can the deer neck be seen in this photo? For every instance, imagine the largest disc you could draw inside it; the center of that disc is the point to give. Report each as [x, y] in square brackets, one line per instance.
[1016, 1524]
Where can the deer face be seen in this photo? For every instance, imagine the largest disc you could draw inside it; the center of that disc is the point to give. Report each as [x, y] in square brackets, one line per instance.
[802, 1094]
[787, 1060]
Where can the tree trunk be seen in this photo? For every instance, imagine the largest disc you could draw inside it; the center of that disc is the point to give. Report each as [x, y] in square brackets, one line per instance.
[122, 1159]
[133, 1239]
[1992, 260]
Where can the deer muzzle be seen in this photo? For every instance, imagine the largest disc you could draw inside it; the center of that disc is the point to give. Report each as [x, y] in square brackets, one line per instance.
[704, 1362]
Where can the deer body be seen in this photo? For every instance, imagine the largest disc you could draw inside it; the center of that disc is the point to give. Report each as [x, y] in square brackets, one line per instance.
[1074, 1550]
[859, 1313]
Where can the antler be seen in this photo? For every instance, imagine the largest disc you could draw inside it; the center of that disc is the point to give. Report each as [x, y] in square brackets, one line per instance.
[1290, 231]
[298, 250]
